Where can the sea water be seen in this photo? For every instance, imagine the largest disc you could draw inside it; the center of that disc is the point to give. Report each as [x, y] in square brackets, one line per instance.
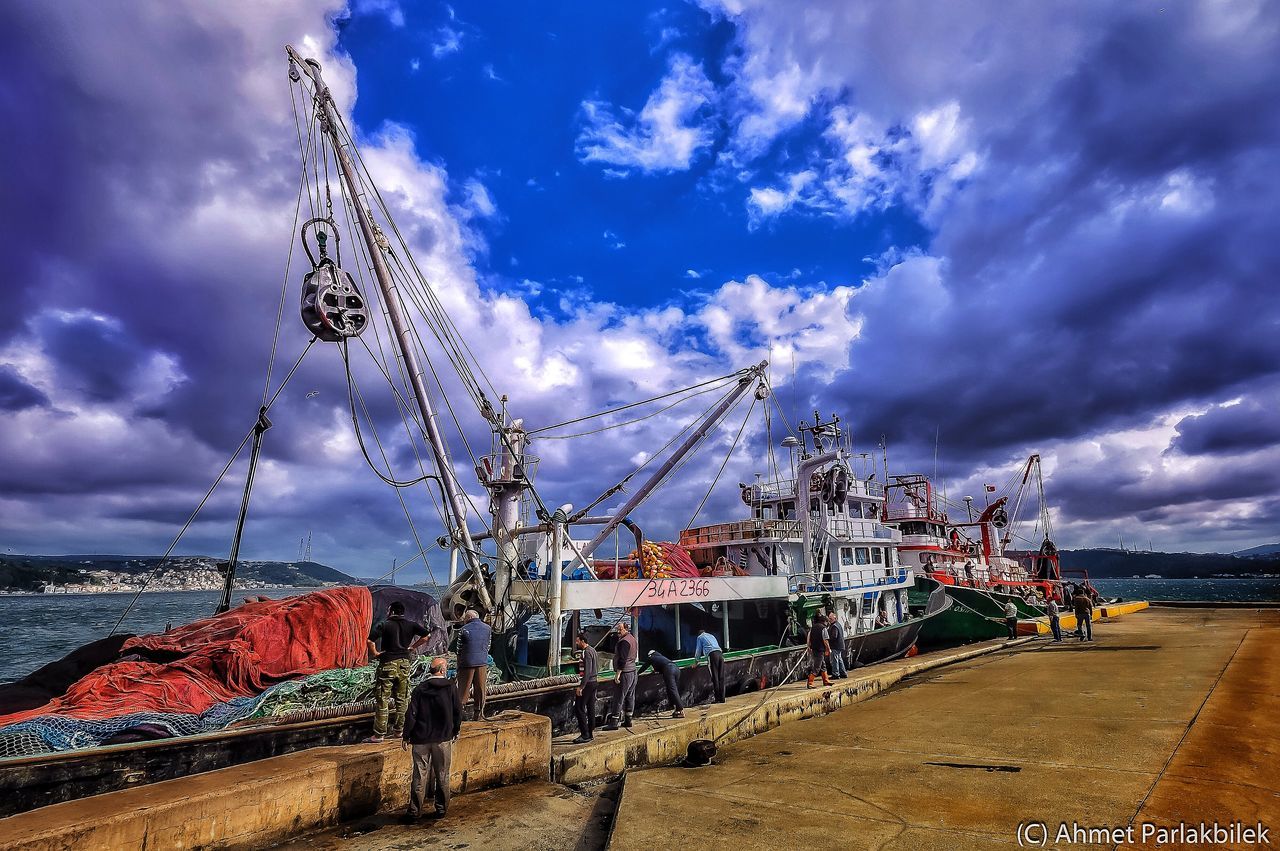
[40, 628]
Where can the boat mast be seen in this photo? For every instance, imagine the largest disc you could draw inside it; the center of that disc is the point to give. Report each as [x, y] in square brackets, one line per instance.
[744, 383]
[455, 504]
[229, 569]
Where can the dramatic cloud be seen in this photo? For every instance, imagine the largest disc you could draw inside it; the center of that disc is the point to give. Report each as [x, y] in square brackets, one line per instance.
[1098, 189]
[1078, 211]
[668, 133]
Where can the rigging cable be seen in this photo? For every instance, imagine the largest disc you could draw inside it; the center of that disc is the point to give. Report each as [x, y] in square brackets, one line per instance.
[185, 526]
[413, 529]
[629, 422]
[725, 463]
[721, 380]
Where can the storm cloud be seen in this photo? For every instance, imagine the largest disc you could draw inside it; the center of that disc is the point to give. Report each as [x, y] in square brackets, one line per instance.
[1096, 282]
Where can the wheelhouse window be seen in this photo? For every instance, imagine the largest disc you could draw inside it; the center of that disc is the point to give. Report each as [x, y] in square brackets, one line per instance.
[789, 510]
[846, 556]
[877, 555]
[862, 556]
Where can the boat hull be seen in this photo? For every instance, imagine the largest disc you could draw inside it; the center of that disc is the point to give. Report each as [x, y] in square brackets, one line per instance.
[743, 673]
[54, 778]
[977, 614]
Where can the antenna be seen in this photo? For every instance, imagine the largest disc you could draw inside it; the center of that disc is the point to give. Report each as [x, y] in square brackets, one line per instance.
[937, 434]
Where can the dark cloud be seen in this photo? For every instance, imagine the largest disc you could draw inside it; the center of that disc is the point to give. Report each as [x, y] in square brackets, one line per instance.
[1108, 262]
[1248, 425]
[92, 355]
[16, 394]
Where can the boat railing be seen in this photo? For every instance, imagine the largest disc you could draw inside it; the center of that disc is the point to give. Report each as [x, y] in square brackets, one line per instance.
[847, 528]
[771, 491]
[500, 467]
[848, 580]
[722, 533]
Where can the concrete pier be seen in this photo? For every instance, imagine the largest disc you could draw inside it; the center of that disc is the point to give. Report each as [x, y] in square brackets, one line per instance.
[662, 740]
[1170, 715]
[259, 803]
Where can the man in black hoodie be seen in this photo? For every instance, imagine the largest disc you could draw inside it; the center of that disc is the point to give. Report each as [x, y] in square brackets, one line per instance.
[431, 726]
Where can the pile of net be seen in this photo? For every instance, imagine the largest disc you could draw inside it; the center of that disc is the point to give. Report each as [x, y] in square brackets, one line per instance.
[239, 653]
[208, 675]
[658, 560]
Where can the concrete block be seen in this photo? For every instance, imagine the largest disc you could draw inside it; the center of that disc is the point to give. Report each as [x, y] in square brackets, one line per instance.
[259, 803]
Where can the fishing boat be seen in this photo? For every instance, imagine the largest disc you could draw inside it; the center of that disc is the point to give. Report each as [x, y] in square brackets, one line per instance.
[971, 558]
[537, 572]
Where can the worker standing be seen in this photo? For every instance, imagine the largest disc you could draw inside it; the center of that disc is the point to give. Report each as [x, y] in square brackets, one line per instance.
[709, 647]
[835, 637]
[399, 639]
[431, 727]
[670, 678]
[819, 649]
[584, 703]
[624, 662]
[473, 660]
[1083, 605]
[1011, 618]
[1051, 606]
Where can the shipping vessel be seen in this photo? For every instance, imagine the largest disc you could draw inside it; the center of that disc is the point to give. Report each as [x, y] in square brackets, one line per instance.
[971, 558]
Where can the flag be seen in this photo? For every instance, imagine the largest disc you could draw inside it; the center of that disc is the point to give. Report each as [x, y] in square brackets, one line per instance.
[990, 488]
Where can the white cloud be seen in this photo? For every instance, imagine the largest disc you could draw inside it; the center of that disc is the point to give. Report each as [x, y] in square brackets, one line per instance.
[478, 199]
[668, 133]
[389, 9]
[767, 202]
[447, 41]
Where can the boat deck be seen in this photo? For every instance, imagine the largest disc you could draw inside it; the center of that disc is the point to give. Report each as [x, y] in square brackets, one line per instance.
[1170, 715]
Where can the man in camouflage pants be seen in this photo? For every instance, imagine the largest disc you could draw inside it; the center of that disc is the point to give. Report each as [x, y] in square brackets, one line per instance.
[399, 638]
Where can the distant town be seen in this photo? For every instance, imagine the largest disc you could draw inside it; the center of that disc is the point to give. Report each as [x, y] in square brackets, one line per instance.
[107, 574]
[174, 579]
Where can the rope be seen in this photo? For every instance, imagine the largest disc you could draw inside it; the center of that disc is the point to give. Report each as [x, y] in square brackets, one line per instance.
[185, 526]
[625, 422]
[723, 464]
[720, 380]
[352, 392]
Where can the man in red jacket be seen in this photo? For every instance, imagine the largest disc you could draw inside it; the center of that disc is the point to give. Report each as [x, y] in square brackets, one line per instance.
[431, 727]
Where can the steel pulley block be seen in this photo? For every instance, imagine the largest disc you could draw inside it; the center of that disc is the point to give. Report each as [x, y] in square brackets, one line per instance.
[333, 307]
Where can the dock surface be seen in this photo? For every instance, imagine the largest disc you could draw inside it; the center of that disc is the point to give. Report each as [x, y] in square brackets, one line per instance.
[1170, 715]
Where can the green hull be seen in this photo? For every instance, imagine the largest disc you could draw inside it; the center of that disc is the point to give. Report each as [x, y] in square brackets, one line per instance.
[975, 615]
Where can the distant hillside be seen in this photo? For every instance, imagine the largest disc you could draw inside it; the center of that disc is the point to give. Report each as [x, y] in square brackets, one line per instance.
[32, 573]
[1261, 550]
[1102, 563]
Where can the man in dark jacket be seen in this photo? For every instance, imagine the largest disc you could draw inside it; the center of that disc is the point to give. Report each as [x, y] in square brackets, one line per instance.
[1083, 606]
[624, 662]
[819, 649]
[584, 701]
[670, 678]
[835, 637]
[399, 639]
[474, 639]
[431, 727]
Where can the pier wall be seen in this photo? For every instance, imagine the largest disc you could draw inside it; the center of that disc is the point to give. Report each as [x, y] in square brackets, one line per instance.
[1067, 621]
[260, 803]
[745, 716]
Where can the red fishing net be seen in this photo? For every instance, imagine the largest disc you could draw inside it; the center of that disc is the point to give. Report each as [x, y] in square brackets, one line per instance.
[238, 653]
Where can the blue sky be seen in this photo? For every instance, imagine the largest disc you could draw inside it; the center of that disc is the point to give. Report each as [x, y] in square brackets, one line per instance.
[496, 92]
[1008, 228]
